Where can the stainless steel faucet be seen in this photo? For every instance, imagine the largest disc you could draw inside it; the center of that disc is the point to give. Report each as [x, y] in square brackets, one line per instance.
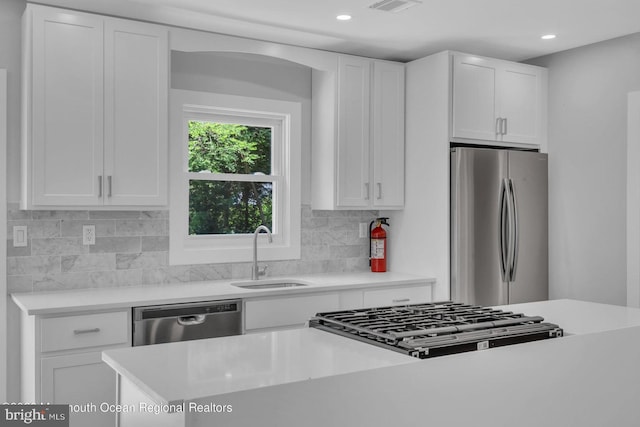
[256, 271]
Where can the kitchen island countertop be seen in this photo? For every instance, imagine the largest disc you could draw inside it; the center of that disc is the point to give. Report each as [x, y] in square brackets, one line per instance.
[580, 317]
[171, 374]
[593, 370]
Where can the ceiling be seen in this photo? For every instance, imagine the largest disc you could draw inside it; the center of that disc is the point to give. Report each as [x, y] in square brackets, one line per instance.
[507, 29]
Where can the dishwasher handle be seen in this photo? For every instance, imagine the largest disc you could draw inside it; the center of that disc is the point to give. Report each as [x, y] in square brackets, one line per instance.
[197, 319]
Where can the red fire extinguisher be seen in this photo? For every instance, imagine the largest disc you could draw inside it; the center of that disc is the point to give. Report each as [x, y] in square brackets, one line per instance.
[378, 246]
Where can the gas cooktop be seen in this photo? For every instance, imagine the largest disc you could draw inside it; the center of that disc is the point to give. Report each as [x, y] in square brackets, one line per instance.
[435, 329]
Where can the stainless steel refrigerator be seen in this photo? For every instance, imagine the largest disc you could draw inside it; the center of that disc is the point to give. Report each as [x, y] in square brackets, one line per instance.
[499, 226]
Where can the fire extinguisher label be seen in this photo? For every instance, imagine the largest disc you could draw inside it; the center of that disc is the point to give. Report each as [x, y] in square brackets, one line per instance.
[377, 249]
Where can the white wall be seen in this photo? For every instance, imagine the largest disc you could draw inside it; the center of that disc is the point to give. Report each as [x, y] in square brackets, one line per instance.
[3, 236]
[10, 48]
[588, 89]
[633, 200]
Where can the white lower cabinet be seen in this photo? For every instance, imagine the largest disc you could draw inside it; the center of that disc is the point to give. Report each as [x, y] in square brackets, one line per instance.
[81, 379]
[274, 313]
[62, 362]
[286, 312]
[351, 299]
[62, 353]
[396, 296]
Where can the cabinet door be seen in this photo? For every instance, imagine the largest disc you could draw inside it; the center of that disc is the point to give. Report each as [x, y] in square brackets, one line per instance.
[66, 108]
[388, 135]
[353, 186]
[136, 88]
[519, 102]
[79, 379]
[286, 312]
[397, 296]
[474, 101]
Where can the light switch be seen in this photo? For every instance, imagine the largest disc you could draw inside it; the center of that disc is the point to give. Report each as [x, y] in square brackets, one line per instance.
[363, 230]
[19, 236]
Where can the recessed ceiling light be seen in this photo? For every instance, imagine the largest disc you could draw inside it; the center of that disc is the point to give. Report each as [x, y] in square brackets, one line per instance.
[548, 37]
[343, 17]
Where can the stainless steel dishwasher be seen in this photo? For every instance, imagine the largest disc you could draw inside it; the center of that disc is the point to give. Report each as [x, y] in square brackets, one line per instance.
[182, 322]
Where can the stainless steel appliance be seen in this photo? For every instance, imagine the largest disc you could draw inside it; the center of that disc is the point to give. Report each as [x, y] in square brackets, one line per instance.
[499, 226]
[182, 322]
[435, 329]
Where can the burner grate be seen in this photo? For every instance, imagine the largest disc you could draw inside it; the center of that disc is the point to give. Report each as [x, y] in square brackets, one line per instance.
[425, 330]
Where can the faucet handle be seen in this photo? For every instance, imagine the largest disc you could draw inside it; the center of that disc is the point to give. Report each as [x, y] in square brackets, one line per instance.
[263, 271]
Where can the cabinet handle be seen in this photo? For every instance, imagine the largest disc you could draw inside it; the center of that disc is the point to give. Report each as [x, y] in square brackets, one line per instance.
[99, 186]
[366, 191]
[504, 132]
[379, 190]
[86, 331]
[109, 182]
[401, 300]
[498, 125]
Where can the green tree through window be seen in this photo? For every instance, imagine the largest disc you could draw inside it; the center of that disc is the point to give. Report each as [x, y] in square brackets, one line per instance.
[229, 200]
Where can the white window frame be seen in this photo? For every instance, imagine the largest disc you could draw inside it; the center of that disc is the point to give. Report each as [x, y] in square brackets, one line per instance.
[285, 117]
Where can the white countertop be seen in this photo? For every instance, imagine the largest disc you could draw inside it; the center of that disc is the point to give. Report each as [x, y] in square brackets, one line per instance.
[580, 317]
[589, 380]
[198, 369]
[113, 298]
[177, 372]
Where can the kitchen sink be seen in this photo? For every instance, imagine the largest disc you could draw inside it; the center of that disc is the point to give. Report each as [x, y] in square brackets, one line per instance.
[271, 284]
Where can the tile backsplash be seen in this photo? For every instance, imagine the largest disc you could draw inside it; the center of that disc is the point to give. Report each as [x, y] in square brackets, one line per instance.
[132, 249]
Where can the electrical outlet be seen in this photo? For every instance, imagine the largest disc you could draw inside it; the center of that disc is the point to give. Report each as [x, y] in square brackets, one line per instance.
[364, 232]
[88, 234]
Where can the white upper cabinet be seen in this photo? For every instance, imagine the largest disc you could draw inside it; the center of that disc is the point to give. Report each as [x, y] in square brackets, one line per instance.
[496, 100]
[136, 82]
[360, 165]
[354, 89]
[64, 77]
[94, 111]
[388, 135]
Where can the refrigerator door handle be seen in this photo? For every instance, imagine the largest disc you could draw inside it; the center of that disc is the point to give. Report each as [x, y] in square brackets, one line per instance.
[515, 235]
[504, 230]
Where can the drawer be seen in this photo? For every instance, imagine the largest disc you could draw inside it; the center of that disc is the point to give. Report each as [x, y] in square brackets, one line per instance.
[88, 330]
[397, 296]
[282, 312]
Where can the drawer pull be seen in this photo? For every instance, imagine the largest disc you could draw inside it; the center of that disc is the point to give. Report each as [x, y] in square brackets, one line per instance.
[85, 331]
[401, 300]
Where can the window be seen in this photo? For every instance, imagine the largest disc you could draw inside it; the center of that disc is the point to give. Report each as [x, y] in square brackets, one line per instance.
[235, 165]
[233, 190]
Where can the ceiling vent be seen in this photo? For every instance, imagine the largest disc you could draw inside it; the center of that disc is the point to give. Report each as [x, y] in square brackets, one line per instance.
[394, 5]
